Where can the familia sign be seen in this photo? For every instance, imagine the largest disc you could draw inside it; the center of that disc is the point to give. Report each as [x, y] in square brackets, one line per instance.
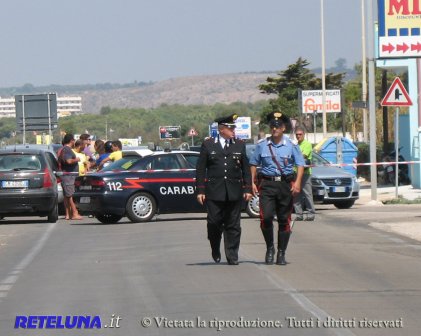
[312, 101]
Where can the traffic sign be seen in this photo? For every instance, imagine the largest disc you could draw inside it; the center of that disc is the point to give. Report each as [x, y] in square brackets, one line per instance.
[396, 95]
[193, 132]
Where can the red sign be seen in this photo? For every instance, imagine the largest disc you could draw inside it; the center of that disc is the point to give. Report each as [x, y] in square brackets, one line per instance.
[396, 95]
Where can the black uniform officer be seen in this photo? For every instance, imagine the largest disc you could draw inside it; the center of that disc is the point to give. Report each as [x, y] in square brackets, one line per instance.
[223, 179]
[276, 156]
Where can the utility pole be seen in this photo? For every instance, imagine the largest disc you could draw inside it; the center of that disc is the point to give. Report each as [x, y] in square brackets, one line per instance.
[372, 102]
[322, 32]
[364, 73]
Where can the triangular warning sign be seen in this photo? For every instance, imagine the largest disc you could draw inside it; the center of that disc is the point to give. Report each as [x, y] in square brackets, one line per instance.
[396, 95]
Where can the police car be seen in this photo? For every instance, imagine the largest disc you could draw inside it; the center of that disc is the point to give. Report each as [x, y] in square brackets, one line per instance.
[140, 185]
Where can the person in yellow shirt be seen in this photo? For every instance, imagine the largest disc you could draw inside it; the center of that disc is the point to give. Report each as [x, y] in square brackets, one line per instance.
[83, 159]
[117, 153]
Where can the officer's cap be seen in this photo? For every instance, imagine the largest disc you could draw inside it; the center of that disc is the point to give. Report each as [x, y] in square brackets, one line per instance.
[277, 119]
[227, 121]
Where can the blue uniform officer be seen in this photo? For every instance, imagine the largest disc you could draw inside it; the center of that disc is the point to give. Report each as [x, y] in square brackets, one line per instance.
[276, 184]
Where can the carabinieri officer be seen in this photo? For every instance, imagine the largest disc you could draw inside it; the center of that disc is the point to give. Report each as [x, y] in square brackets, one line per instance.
[223, 180]
[276, 184]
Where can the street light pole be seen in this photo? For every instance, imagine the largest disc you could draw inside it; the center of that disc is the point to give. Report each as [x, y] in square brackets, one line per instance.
[372, 101]
[323, 68]
[364, 72]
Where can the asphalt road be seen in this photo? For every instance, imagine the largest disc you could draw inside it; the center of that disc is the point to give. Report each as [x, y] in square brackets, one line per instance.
[344, 277]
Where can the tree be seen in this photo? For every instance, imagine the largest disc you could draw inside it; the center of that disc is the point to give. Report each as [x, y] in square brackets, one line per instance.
[296, 77]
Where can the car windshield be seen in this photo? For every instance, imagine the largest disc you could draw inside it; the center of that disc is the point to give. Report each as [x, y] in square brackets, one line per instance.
[318, 160]
[125, 163]
[19, 162]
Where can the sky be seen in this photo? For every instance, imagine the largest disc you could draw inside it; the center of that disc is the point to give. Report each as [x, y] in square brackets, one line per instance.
[74, 42]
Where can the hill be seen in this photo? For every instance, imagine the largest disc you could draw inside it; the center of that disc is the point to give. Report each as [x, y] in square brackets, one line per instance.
[197, 90]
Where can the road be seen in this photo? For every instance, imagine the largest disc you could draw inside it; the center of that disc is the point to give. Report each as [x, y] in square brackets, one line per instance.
[344, 277]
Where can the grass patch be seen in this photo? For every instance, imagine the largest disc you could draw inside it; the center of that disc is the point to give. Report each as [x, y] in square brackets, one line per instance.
[402, 200]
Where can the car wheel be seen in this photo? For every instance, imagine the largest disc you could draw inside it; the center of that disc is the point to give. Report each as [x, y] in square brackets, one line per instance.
[53, 214]
[252, 208]
[108, 218]
[344, 204]
[141, 207]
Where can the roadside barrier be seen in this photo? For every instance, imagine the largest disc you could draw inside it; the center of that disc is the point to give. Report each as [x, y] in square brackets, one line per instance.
[386, 163]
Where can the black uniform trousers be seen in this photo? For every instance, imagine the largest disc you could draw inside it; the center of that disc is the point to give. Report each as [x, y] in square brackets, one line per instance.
[224, 217]
[275, 198]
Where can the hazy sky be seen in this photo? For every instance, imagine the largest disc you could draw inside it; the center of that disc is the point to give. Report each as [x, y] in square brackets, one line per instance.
[119, 41]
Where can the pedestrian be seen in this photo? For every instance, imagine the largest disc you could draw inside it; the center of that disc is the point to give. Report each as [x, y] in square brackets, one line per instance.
[87, 141]
[70, 168]
[83, 159]
[305, 197]
[276, 184]
[116, 153]
[223, 181]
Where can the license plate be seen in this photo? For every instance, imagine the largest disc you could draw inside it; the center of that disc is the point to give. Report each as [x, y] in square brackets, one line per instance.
[85, 200]
[339, 189]
[15, 184]
[320, 192]
[82, 187]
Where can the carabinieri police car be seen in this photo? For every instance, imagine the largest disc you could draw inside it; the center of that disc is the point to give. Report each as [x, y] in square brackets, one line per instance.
[139, 186]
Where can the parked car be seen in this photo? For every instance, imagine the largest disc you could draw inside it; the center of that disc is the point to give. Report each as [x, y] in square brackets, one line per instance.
[53, 148]
[29, 183]
[139, 186]
[333, 185]
[330, 185]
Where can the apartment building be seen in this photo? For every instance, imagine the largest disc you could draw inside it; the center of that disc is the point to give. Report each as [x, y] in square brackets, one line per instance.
[66, 106]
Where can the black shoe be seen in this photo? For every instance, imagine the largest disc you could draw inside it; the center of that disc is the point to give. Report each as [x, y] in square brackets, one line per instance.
[280, 258]
[216, 255]
[270, 252]
[232, 262]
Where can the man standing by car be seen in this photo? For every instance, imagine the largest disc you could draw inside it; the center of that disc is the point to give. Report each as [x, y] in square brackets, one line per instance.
[277, 184]
[70, 167]
[222, 182]
[305, 197]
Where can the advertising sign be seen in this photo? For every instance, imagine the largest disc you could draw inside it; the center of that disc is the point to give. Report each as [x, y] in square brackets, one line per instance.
[312, 101]
[129, 142]
[243, 129]
[169, 132]
[399, 28]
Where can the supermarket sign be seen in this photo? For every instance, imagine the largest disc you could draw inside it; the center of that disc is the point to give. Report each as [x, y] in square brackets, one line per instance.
[312, 101]
[399, 28]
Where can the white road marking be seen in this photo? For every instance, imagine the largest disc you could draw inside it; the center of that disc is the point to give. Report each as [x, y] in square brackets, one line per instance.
[300, 298]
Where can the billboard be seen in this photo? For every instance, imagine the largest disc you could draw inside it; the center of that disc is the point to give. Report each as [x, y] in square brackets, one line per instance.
[243, 129]
[312, 101]
[169, 132]
[37, 112]
[399, 28]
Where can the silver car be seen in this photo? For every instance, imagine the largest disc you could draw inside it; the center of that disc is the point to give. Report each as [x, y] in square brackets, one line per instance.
[333, 185]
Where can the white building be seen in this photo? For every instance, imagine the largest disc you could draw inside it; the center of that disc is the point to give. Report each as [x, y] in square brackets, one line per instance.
[7, 107]
[66, 106]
